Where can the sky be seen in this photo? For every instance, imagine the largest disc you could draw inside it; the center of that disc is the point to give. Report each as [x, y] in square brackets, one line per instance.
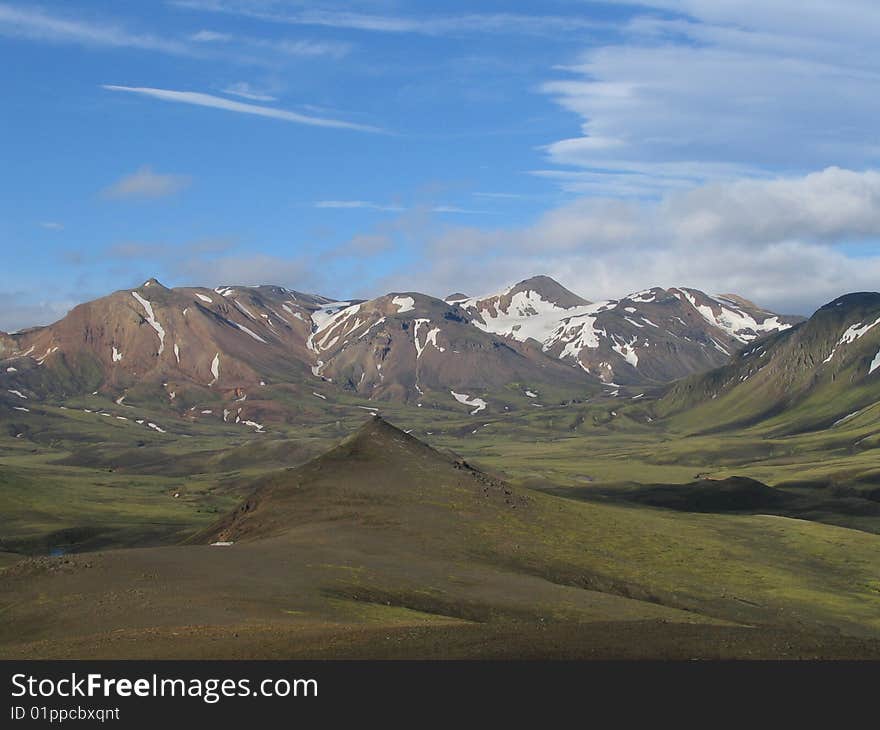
[357, 147]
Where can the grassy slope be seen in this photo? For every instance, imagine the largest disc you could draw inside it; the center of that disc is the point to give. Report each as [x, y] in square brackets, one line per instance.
[552, 447]
[385, 534]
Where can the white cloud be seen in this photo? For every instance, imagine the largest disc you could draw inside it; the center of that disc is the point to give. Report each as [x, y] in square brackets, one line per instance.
[52, 225]
[302, 48]
[246, 91]
[830, 205]
[216, 102]
[500, 196]
[434, 25]
[145, 183]
[35, 24]
[38, 25]
[392, 208]
[210, 36]
[784, 86]
[357, 205]
[773, 241]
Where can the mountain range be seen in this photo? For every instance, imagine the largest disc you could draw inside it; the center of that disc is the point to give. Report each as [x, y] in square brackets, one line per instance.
[531, 343]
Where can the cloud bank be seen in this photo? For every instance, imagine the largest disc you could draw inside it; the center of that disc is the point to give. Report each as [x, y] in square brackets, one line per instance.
[789, 243]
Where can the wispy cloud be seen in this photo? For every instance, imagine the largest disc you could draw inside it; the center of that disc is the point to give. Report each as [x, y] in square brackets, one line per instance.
[146, 184]
[302, 48]
[800, 93]
[246, 91]
[38, 25]
[293, 47]
[215, 102]
[501, 196]
[391, 207]
[436, 25]
[358, 204]
[210, 36]
[52, 225]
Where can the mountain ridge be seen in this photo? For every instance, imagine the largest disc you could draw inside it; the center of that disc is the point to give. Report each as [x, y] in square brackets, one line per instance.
[189, 344]
[817, 373]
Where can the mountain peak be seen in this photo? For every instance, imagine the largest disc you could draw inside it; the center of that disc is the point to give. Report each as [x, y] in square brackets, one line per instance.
[738, 301]
[549, 290]
[377, 434]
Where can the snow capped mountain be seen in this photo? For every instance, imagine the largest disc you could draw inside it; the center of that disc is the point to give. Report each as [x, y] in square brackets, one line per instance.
[401, 346]
[187, 346]
[652, 335]
[531, 309]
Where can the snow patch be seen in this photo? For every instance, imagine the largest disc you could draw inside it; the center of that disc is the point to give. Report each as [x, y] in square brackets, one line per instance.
[404, 304]
[430, 339]
[250, 332]
[243, 309]
[645, 296]
[852, 333]
[845, 418]
[151, 320]
[735, 322]
[528, 316]
[626, 350]
[469, 401]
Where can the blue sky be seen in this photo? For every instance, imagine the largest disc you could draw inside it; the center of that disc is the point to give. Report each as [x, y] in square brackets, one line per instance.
[358, 147]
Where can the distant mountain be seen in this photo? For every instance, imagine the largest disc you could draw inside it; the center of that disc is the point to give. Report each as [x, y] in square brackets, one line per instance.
[402, 346]
[656, 335]
[817, 374]
[535, 340]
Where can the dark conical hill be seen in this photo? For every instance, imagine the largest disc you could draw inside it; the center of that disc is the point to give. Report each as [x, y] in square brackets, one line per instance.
[378, 475]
